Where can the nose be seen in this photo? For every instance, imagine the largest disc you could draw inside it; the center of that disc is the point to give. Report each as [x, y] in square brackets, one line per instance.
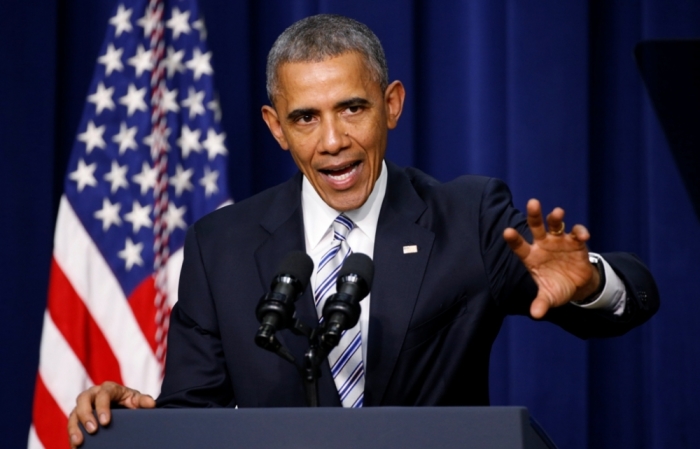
[334, 138]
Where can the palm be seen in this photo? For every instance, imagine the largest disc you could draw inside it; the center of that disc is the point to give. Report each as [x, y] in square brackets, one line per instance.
[558, 262]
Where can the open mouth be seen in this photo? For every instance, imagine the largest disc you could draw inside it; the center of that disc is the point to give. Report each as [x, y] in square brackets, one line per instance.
[341, 173]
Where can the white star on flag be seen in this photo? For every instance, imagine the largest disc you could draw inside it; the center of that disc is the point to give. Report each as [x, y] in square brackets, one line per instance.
[194, 102]
[148, 22]
[173, 217]
[200, 64]
[189, 141]
[147, 178]
[117, 177]
[109, 214]
[126, 138]
[121, 21]
[140, 216]
[199, 26]
[112, 60]
[173, 62]
[170, 100]
[92, 137]
[131, 254]
[142, 61]
[179, 22]
[150, 141]
[133, 100]
[181, 179]
[84, 175]
[208, 181]
[214, 144]
[102, 98]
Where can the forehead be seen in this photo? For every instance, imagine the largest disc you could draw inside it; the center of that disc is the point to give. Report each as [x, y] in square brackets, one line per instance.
[342, 75]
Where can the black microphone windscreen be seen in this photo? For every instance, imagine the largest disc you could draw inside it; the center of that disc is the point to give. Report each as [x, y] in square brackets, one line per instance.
[359, 264]
[299, 265]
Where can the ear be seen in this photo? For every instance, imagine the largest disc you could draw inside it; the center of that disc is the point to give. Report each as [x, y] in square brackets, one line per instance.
[269, 114]
[394, 97]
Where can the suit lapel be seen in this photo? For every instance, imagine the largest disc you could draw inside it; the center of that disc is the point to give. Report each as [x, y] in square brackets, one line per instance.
[285, 224]
[397, 281]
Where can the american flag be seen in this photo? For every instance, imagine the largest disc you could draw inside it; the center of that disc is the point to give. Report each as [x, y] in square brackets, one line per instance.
[149, 159]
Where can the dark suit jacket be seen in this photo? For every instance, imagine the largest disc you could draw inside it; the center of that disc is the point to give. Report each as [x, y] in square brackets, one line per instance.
[434, 314]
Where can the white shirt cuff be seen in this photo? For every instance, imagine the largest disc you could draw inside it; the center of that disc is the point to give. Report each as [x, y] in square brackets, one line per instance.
[613, 297]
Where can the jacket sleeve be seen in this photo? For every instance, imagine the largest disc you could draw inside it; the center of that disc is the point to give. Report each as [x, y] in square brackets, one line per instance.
[195, 371]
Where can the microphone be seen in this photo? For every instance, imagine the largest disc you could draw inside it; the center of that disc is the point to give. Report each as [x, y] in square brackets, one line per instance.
[342, 310]
[276, 309]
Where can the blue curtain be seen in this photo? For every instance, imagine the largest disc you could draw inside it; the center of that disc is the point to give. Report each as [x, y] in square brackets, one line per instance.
[543, 94]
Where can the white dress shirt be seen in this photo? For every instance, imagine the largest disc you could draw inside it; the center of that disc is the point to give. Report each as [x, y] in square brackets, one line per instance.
[318, 217]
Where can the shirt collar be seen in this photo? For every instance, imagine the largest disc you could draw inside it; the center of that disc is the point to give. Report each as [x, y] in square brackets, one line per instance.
[318, 216]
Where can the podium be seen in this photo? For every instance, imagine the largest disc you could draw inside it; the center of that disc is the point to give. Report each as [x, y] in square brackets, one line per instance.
[331, 428]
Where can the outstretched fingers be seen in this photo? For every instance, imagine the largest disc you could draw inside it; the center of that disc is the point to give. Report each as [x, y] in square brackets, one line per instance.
[517, 243]
[534, 219]
[580, 233]
[555, 221]
[557, 260]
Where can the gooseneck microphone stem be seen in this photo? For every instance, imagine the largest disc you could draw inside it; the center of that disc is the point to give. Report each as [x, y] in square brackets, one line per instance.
[312, 371]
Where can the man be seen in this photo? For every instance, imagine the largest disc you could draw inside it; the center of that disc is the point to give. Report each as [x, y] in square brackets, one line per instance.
[451, 260]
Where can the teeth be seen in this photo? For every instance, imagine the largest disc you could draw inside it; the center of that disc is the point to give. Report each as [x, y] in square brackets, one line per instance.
[342, 177]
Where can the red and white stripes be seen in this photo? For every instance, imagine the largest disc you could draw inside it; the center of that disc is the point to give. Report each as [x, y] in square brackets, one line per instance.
[92, 332]
[160, 192]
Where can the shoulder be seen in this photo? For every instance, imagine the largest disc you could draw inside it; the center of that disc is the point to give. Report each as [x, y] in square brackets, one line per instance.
[247, 215]
[475, 190]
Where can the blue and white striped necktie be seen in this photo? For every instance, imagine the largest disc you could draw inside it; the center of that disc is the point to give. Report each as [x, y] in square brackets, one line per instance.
[345, 359]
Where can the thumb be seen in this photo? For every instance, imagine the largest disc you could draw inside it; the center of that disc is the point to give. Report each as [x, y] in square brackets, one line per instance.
[146, 401]
[139, 400]
[539, 308]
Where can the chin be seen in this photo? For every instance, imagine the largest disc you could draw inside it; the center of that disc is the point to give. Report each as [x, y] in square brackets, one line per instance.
[346, 204]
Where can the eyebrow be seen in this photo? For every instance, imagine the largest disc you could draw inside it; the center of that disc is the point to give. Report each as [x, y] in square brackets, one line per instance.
[355, 101]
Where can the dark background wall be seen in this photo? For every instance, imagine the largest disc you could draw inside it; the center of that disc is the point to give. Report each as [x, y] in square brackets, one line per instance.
[543, 94]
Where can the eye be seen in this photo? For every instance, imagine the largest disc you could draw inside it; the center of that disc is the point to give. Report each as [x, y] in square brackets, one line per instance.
[354, 109]
[304, 119]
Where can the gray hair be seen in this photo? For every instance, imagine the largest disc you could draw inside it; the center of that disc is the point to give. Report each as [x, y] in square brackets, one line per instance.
[323, 36]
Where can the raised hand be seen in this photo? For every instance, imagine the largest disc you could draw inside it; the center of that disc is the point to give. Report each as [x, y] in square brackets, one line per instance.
[100, 398]
[557, 261]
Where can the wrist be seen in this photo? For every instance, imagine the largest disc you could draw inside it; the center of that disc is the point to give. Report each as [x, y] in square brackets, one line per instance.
[597, 263]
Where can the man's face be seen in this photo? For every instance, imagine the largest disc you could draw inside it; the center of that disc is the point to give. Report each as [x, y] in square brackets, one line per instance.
[334, 120]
